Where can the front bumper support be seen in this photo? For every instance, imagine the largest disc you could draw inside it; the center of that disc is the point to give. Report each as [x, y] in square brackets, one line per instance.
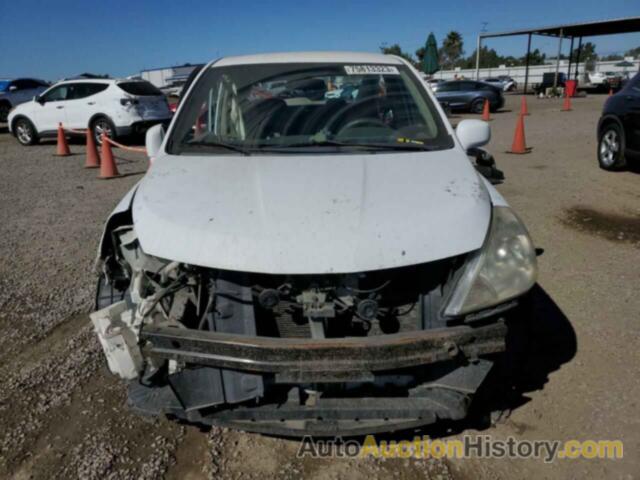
[327, 360]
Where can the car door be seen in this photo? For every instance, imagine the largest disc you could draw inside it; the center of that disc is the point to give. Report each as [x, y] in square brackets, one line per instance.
[51, 109]
[81, 103]
[35, 87]
[449, 93]
[467, 92]
[20, 92]
[30, 88]
[631, 118]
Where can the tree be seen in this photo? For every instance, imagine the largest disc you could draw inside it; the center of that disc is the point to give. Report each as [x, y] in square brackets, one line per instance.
[535, 58]
[396, 50]
[420, 53]
[588, 55]
[452, 50]
[612, 57]
[489, 58]
[634, 52]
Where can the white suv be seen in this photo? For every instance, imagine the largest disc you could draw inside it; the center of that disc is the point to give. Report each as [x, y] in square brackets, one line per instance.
[113, 107]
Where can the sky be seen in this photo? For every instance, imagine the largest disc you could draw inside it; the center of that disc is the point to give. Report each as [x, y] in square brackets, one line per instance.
[57, 38]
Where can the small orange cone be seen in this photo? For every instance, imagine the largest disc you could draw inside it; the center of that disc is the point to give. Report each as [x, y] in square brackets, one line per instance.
[108, 167]
[519, 145]
[62, 149]
[566, 106]
[486, 116]
[523, 106]
[93, 160]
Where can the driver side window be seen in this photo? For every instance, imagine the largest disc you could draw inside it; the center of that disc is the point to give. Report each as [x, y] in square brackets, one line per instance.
[56, 94]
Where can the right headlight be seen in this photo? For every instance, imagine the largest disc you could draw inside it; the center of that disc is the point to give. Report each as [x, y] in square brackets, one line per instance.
[504, 268]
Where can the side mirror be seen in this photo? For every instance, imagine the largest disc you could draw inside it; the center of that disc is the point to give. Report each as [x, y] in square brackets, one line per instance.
[13, 88]
[473, 133]
[38, 99]
[153, 140]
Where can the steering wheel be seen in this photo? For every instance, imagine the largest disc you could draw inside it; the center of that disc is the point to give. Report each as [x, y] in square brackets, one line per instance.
[362, 122]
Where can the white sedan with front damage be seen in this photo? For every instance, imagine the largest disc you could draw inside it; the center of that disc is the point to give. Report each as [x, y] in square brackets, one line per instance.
[297, 264]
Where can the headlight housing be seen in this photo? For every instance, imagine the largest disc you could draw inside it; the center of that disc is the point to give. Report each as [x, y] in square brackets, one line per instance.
[504, 268]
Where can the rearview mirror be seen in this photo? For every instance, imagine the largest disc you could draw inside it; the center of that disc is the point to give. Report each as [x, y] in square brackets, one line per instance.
[473, 133]
[153, 140]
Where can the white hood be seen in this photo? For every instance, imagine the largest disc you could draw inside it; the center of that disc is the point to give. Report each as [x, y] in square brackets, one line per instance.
[312, 213]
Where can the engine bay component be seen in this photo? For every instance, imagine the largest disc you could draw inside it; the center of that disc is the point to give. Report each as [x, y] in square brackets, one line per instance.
[269, 298]
[114, 326]
[198, 339]
[368, 309]
[315, 304]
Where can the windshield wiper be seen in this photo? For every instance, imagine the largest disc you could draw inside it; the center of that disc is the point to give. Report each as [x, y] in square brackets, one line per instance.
[228, 146]
[334, 143]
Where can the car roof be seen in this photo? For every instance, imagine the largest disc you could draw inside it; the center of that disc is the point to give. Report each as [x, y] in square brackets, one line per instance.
[310, 57]
[21, 78]
[101, 80]
[88, 80]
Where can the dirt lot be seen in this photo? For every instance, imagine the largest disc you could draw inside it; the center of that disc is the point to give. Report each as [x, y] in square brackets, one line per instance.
[63, 416]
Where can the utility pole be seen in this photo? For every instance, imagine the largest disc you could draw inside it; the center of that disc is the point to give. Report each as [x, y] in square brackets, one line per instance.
[555, 78]
[478, 57]
[526, 68]
[479, 44]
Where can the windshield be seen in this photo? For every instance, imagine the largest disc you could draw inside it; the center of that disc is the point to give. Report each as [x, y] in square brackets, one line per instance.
[4, 84]
[307, 107]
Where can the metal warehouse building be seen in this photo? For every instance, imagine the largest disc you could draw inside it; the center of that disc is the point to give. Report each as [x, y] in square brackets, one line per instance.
[161, 77]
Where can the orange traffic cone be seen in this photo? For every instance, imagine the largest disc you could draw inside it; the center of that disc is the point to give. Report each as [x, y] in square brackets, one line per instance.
[93, 160]
[486, 116]
[566, 106]
[108, 168]
[523, 106]
[519, 145]
[62, 149]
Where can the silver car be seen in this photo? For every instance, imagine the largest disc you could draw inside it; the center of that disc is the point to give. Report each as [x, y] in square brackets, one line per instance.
[17, 91]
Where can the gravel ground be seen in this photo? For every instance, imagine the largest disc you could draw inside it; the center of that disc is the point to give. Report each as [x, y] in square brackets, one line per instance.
[63, 415]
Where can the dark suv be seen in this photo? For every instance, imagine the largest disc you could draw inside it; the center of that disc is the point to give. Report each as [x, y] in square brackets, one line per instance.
[469, 95]
[549, 81]
[619, 127]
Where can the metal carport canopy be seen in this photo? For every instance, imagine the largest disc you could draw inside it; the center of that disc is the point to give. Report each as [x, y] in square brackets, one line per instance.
[587, 29]
[569, 30]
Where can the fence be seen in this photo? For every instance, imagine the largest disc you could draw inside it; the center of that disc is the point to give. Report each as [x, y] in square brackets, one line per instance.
[536, 71]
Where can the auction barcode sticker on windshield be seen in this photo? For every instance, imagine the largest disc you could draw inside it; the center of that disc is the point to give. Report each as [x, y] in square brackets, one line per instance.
[371, 70]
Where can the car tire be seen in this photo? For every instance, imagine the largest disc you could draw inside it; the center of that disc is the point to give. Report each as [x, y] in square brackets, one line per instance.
[477, 105]
[25, 132]
[611, 147]
[5, 108]
[102, 125]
